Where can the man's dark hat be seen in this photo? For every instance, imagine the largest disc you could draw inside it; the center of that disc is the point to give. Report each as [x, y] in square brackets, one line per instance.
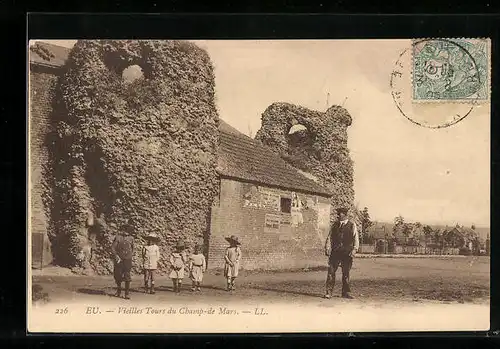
[342, 210]
[180, 244]
[233, 238]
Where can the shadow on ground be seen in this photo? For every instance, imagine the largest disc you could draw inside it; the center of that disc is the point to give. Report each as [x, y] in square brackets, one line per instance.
[444, 289]
[92, 291]
[287, 291]
[211, 287]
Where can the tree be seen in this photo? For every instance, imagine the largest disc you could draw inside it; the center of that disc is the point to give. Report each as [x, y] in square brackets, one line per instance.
[406, 229]
[417, 233]
[476, 245]
[366, 221]
[438, 237]
[399, 226]
[428, 231]
[398, 222]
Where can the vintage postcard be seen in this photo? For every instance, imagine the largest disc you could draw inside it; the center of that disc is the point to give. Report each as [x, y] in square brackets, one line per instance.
[259, 186]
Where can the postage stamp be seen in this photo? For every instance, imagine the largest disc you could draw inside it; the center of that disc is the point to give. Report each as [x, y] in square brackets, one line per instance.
[437, 83]
[451, 70]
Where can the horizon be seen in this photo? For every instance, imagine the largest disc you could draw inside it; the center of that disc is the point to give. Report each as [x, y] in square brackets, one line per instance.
[431, 176]
[435, 224]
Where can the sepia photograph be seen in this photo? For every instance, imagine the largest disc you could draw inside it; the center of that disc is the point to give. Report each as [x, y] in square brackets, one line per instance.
[258, 186]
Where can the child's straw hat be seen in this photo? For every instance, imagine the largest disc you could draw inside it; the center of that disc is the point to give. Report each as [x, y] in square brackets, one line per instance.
[233, 238]
[152, 236]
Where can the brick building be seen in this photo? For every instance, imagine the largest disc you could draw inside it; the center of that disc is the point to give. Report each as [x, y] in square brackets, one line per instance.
[280, 213]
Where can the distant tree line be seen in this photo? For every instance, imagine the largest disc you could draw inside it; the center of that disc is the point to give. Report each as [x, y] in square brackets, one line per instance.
[416, 234]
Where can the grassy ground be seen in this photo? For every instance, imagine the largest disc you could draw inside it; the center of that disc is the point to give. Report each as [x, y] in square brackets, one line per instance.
[377, 280]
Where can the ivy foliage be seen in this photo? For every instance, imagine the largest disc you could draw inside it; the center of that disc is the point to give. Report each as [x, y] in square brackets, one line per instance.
[142, 153]
[320, 148]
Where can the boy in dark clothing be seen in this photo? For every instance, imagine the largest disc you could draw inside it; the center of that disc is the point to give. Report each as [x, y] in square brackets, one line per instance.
[123, 251]
[341, 246]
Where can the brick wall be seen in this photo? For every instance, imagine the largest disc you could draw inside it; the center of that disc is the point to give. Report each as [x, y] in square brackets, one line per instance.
[282, 247]
[42, 86]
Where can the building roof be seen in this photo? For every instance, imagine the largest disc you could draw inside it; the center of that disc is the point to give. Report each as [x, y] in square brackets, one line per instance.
[56, 55]
[244, 158]
[240, 156]
[466, 233]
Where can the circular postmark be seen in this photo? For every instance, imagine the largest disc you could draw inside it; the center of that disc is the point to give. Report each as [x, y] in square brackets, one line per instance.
[437, 83]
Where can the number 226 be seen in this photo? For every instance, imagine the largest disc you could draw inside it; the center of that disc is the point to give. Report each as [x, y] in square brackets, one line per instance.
[62, 311]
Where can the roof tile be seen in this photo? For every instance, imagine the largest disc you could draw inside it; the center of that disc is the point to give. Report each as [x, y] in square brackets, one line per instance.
[59, 55]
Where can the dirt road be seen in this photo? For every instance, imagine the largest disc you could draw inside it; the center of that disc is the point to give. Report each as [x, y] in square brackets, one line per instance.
[462, 280]
[391, 295]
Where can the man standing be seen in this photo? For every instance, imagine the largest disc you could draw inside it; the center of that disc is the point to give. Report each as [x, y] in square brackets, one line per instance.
[341, 246]
[123, 251]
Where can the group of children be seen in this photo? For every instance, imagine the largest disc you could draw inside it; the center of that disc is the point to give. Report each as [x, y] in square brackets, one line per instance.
[195, 264]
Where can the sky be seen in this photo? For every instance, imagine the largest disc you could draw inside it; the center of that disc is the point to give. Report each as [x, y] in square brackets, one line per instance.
[435, 176]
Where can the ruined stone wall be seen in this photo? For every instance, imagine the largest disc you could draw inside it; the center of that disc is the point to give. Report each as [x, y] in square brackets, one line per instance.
[320, 148]
[141, 153]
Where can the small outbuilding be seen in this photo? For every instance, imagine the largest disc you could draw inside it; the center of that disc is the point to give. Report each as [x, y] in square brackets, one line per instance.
[281, 215]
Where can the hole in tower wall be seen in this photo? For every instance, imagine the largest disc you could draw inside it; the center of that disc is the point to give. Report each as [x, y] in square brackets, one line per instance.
[132, 73]
[140, 89]
[301, 147]
[299, 136]
[297, 129]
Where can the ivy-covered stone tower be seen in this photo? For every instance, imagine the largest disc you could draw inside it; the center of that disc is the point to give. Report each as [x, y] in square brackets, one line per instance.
[314, 142]
[140, 153]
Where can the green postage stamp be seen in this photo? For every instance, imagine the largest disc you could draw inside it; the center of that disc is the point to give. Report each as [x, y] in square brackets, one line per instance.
[451, 70]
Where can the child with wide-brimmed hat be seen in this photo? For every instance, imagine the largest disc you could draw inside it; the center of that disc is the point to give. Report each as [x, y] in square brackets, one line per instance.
[150, 257]
[197, 266]
[232, 259]
[178, 261]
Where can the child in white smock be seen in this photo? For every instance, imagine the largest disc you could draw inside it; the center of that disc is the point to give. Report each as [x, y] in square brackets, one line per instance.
[197, 266]
[232, 259]
[178, 261]
[150, 257]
